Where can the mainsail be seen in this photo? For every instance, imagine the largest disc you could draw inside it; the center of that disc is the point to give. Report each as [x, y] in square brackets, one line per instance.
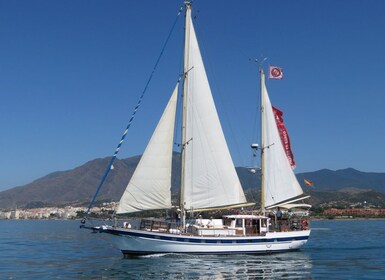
[150, 185]
[279, 181]
[210, 179]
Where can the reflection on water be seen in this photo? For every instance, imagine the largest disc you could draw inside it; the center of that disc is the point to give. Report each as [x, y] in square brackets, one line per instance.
[293, 265]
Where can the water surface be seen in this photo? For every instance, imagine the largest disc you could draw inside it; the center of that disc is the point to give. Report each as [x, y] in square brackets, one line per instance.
[353, 249]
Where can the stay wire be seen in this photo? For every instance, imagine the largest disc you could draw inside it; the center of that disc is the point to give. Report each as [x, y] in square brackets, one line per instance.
[109, 167]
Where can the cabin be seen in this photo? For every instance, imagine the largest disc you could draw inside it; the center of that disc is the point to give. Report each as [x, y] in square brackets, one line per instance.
[230, 225]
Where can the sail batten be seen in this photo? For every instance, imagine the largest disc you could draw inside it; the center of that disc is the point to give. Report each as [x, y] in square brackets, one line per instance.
[279, 181]
[150, 185]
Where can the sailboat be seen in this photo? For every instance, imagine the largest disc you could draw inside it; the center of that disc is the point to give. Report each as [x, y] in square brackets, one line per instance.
[208, 181]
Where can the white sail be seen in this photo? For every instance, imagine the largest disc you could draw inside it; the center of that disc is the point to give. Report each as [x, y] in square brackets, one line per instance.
[150, 185]
[210, 178]
[208, 181]
[279, 183]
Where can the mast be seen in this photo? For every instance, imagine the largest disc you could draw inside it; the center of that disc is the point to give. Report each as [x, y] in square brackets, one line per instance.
[262, 77]
[278, 181]
[184, 109]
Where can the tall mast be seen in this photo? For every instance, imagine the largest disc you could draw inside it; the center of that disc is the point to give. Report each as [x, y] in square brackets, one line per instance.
[184, 109]
[262, 74]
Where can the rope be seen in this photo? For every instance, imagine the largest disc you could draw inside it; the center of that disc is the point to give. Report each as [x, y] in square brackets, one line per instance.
[109, 167]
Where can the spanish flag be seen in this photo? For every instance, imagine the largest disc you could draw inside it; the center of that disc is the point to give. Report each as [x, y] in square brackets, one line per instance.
[308, 182]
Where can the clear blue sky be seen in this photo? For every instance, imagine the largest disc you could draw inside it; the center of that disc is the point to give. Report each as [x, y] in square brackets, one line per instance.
[72, 71]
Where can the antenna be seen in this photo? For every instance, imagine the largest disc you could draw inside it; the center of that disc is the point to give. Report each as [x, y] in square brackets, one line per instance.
[259, 62]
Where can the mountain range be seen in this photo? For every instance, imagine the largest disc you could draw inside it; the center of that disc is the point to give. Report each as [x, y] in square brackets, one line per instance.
[77, 186]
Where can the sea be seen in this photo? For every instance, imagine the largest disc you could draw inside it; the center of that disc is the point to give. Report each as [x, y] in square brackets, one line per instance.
[55, 249]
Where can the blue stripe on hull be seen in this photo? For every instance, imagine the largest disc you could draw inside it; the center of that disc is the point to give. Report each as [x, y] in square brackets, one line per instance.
[130, 253]
[213, 240]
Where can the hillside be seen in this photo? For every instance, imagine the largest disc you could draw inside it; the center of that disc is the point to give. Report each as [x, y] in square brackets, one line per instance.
[73, 186]
[77, 186]
[349, 178]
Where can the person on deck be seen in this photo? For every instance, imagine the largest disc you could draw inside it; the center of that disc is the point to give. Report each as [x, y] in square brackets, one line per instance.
[279, 214]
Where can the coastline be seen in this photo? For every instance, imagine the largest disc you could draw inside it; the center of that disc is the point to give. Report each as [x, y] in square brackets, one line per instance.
[312, 218]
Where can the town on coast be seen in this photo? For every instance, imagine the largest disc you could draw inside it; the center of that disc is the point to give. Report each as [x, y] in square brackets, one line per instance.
[105, 209]
[65, 213]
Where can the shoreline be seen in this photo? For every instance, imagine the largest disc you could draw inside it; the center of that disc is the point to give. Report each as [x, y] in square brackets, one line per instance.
[345, 218]
[335, 218]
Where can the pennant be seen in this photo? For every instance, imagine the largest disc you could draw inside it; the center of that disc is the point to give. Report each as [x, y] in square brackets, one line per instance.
[284, 136]
[308, 182]
[275, 72]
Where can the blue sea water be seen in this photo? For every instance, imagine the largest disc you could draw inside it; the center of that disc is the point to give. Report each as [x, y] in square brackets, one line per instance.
[349, 249]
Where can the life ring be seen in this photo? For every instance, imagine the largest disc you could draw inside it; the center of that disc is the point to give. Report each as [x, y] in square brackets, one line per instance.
[304, 224]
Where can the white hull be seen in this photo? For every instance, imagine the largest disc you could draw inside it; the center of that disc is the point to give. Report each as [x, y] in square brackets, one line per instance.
[138, 242]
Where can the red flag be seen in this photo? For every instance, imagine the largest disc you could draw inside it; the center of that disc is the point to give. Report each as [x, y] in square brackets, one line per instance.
[275, 72]
[308, 182]
[284, 136]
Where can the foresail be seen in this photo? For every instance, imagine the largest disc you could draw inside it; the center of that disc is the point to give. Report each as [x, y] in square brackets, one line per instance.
[210, 176]
[150, 185]
[280, 183]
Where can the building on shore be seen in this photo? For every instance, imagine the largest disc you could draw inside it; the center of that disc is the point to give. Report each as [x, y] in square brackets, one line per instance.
[369, 212]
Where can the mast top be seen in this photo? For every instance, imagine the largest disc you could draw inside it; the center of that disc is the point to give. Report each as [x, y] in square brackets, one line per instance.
[260, 62]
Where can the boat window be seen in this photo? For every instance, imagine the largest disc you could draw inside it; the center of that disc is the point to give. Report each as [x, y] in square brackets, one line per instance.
[264, 223]
[238, 223]
[227, 222]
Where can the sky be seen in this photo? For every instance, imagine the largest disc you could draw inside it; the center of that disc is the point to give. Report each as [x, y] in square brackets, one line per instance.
[71, 73]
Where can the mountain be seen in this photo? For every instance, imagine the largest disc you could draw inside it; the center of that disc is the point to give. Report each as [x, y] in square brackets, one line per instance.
[349, 178]
[73, 186]
[77, 186]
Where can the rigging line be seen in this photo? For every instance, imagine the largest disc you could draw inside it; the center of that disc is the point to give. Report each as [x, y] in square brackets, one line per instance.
[178, 125]
[254, 136]
[109, 167]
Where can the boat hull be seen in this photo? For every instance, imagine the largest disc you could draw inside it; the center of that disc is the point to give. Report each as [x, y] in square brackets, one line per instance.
[138, 242]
